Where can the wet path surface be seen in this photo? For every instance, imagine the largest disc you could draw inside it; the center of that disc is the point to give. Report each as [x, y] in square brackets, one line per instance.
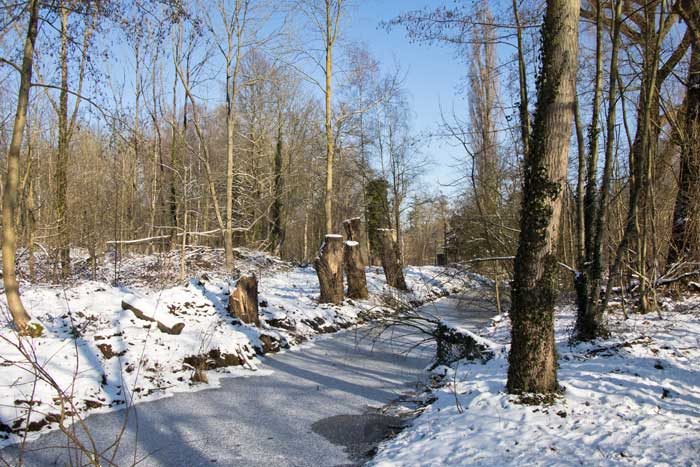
[318, 408]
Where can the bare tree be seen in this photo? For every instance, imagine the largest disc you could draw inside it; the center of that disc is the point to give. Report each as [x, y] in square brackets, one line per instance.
[11, 194]
[326, 19]
[685, 234]
[589, 323]
[234, 18]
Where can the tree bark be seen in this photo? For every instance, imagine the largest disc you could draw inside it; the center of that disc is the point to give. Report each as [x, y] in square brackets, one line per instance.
[277, 230]
[173, 202]
[532, 359]
[355, 232]
[233, 65]
[329, 40]
[329, 268]
[355, 270]
[10, 196]
[243, 302]
[522, 79]
[685, 234]
[391, 260]
[61, 179]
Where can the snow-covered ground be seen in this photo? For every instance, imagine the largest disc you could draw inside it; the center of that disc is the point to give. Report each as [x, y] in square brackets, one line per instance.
[633, 399]
[102, 357]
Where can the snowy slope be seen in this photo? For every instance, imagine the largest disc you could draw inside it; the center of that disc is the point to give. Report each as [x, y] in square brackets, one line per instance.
[633, 399]
[101, 357]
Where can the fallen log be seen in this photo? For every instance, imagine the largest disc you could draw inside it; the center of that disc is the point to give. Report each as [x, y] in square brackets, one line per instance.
[144, 309]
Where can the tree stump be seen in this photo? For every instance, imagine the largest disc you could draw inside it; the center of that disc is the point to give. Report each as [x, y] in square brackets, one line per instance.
[355, 232]
[355, 270]
[329, 268]
[243, 302]
[391, 260]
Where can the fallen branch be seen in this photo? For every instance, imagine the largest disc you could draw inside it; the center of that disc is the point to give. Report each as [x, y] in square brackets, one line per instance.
[208, 233]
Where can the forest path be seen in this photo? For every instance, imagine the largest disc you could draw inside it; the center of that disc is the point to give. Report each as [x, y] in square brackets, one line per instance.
[318, 408]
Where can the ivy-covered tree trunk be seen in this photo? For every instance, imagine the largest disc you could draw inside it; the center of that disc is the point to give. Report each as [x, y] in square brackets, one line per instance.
[532, 360]
[376, 214]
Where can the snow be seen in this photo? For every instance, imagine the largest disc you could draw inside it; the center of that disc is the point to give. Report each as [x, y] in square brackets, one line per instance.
[631, 399]
[351, 243]
[102, 357]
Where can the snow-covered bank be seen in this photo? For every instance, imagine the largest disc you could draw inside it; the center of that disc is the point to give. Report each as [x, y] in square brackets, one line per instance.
[633, 399]
[103, 357]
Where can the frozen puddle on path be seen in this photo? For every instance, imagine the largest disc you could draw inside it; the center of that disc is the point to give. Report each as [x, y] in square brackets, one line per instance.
[359, 434]
[317, 408]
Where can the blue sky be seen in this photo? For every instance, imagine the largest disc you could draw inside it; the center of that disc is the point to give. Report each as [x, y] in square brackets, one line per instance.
[433, 74]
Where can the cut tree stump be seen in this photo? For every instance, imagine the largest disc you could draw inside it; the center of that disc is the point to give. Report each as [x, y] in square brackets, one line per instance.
[355, 270]
[243, 302]
[391, 259]
[329, 268]
[355, 232]
[143, 309]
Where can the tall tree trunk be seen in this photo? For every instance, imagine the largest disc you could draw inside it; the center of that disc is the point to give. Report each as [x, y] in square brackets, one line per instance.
[233, 63]
[61, 179]
[277, 228]
[580, 190]
[230, 123]
[685, 234]
[532, 360]
[589, 205]
[590, 197]
[11, 195]
[174, 164]
[522, 75]
[329, 40]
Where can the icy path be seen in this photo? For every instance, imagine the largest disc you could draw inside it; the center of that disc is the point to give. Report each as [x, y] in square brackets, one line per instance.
[318, 395]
